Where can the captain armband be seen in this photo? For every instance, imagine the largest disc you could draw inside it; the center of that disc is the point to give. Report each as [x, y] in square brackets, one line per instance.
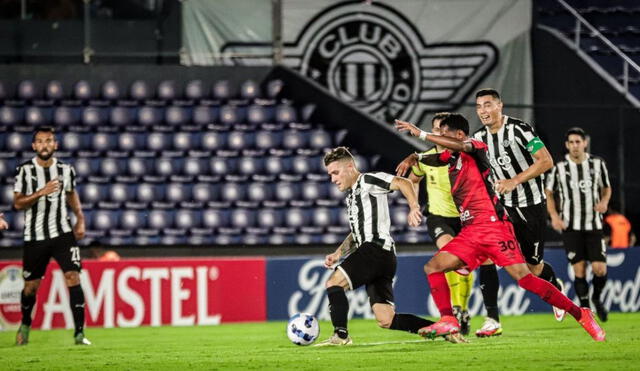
[534, 145]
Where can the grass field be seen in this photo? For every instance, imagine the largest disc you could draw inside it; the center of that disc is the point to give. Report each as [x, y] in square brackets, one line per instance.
[530, 341]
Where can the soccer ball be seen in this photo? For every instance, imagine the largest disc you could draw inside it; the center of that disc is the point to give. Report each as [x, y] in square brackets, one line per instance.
[303, 329]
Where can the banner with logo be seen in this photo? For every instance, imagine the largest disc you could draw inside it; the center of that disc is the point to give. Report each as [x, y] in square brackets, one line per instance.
[131, 293]
[392, 59]
[297, 285]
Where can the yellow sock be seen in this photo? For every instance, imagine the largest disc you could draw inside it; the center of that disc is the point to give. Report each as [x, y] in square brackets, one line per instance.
[464, 289]
[454, 287]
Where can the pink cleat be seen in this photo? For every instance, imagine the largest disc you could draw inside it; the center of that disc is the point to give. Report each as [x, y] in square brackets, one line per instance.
[448, 325]
[588, 322]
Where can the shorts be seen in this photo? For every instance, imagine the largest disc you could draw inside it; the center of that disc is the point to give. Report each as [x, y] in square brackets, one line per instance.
[584, 245]
[478, 242]
[530, 223]
[440, 225]
[36, 256]
[373, 266]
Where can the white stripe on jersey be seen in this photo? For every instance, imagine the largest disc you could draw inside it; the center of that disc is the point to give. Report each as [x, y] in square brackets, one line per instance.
[579, 186]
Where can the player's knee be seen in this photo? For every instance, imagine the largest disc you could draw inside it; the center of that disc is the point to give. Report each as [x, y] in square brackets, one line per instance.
[72, 278]
[385, 322]
[599, 270]
[433, 267]
[31, 287]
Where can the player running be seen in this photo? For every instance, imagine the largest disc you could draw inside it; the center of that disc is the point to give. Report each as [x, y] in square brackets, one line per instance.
[443, 220]
[486, 229]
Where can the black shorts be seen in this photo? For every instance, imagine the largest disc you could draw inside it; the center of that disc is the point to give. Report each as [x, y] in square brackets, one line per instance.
[440, 225]
[374, 267]
[529, 224]
[36, 256]
[584, 245]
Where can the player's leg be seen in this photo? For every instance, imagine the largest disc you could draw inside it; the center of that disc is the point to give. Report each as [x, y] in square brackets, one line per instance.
[35, 257]
[574, 244]
[597, 255]
[67, 254]
[465, 287]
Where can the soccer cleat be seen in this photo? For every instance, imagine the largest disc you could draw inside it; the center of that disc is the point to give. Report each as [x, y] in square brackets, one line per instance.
[81, 340]
[335, 340]
[22, 337]
[456, 338]
[448, 325]
[588, 322]
[557, 312]
[465, 322]
[602, 312]
[489, 328]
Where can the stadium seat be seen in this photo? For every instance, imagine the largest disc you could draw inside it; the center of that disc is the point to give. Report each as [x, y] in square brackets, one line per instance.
[266, 139]
[18, 142]
[28, 90]
[149, 116]
[285, 114]
[10, 116]
[92, 193]
[231, 114]
[82, 90]
[221, 90]
[161, 219]
[243, 218]
[312, 191]
[270, 218]
[66, 116]
[158, 141]
[139, 166]
[204, 115]
[295, 139]
[213, 141]
[121, 116]
[297, 218]
[287, 191]
[239, 140]
[195, 90]
[150, 192]
[274, 88]
[250, 165]
[140, 90]
[133, 219]
[178, 192]
[111, 90]
[176, 116]
[324, 217]
[194, 166]
[259, 192]
[233, 192]
[130, 141]
[86, 166]
[7, 168]
[37, 116]
[121, 192]
[93, 116]
[54, 90]
[276, 165]
[111, 167]
[222, 165]
[105, 220]
[305, 164]
[204, 192]
[167, 166]
[214, 218]
[250, 90]
[187, 218]
[167, 90]
[184, 141]
[73, 141]
[320, 139]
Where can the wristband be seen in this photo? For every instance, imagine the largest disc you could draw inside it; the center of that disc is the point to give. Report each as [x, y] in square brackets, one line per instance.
[423, 135]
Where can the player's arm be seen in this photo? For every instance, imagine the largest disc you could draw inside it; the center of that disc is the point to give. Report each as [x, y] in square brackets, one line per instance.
[74, 203]
[556, 221]
[603, 204]
[450, 143]
[542, 161]
[346, 247]
[406, 187]
[23, 202]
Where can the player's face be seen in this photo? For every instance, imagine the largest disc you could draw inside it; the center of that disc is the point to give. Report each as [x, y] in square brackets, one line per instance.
[44, 144]
[576, 145]
[452, 133]
[341, 173]
[435, 126]
[489, 110]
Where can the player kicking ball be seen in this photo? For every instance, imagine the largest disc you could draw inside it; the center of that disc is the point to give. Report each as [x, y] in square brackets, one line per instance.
[486, 231]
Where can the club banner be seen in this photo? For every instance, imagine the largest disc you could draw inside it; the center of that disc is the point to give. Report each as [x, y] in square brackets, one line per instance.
[297, 285]
[392, 59]
[131, 293]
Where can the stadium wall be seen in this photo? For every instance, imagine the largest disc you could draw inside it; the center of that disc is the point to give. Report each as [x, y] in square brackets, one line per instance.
[211, 291]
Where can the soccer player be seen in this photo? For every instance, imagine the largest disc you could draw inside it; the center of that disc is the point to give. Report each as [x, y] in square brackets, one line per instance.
[3, 222]
[519, 160]
[582, 183]
[486, 229]
[443, 221]
[369, 248]
[43, 188]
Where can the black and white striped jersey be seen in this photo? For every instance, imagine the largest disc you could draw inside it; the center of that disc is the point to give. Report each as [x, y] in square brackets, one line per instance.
[48, 217]
[510, 153]
[368, 210]
[578, 188]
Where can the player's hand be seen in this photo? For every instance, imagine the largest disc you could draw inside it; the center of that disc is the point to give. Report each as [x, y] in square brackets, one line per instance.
[558, 224]
[52, 186]
[331, 259]
[79, 229]
[506, 185]
[3, 222]
[406, 164]
[601, 207]
[415, 217]
[403, 126]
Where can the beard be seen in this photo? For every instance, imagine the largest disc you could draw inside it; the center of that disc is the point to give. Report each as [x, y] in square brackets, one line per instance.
[45, 156]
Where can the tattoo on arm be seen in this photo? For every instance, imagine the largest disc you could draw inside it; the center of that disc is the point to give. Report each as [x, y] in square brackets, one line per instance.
[347, 246]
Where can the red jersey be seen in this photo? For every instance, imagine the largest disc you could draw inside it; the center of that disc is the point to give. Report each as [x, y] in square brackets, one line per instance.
[471, 184]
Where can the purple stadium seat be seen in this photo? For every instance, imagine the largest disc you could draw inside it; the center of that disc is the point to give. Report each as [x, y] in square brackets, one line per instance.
[250, 90]
[221, 90]
[82, 90]
[28, 90]
[167, 90]
[195, 90]
[140, 90]
[66, 116]
[54, 90]
[10, 116]
[111, 90]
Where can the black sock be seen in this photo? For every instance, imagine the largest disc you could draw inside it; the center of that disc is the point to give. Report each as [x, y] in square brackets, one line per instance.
[26, 305]
[548, 274]
[489, 286]
[409, 322]
[598, 286]
[76, 300]
[582, 290]
[339, 310]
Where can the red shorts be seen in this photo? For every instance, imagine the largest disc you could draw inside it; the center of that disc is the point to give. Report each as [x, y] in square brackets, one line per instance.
[478, 242]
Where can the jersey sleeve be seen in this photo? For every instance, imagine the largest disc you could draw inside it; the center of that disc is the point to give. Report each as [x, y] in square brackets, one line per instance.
[378, 182]
[527, 138]
[70, 185]
[551, 179]
[604, 175]
[20, 184]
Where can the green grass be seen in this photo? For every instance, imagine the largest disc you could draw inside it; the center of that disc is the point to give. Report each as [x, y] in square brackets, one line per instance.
[529, 342]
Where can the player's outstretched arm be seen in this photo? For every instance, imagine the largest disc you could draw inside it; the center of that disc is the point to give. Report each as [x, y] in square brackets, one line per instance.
[450, 143]
[74, 203]
[406, 187]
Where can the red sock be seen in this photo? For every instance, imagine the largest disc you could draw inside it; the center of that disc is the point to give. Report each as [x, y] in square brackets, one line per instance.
[440, 292]
[549, 293]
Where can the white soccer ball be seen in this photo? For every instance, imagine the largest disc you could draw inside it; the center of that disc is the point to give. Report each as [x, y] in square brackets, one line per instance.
[303, 329]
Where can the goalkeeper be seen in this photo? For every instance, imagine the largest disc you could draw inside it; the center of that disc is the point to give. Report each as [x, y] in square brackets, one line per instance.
[443, 221]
